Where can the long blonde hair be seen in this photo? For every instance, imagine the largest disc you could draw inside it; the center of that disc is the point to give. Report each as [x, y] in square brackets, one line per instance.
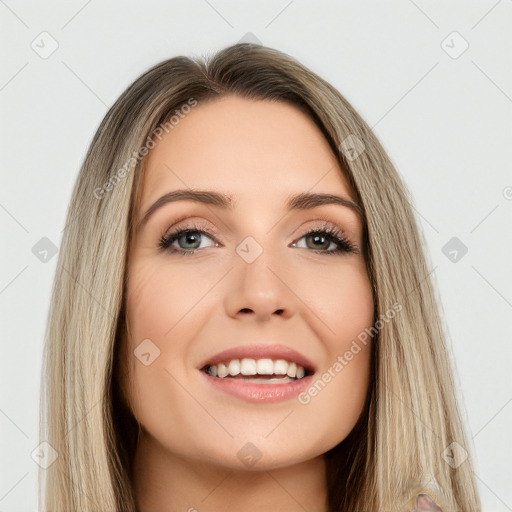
[402, 443]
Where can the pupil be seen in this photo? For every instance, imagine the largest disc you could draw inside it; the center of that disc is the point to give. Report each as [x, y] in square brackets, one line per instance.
[191, 238]
[317, 238]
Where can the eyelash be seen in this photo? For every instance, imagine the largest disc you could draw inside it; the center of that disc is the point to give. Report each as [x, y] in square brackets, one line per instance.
[334, 234]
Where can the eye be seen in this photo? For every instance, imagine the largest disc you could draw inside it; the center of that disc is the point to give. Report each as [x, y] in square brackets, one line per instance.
[188, 240]
[326, 236]
[325, 239]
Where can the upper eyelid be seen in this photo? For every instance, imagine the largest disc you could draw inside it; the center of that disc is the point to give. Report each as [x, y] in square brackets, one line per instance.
[197, 225]
[321, 219]
[185, 223]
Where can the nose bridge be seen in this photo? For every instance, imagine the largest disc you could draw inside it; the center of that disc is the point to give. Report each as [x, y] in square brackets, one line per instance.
[258, 285]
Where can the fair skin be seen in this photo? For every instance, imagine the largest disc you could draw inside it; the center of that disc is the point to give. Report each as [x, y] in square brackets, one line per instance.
[194, 306]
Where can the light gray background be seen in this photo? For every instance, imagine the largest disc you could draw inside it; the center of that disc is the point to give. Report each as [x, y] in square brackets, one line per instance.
[444, 118]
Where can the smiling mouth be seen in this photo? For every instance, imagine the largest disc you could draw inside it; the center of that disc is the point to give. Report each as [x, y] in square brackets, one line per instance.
[260, 371]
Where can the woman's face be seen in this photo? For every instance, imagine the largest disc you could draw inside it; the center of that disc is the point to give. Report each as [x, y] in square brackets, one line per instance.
[250, 280]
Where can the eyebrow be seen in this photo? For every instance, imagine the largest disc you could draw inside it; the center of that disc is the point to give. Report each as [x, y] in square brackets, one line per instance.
[302, 201]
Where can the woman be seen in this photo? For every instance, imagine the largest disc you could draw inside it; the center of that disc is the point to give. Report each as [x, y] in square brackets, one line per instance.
[242, 315]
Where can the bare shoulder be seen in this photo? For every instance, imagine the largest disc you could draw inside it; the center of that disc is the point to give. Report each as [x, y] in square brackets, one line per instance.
[424, 503]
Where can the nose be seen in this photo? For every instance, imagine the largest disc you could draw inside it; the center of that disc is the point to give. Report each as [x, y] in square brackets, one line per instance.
[260, 291]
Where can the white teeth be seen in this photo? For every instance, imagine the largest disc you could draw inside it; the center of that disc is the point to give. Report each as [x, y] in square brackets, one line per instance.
[251, 367]
[280, 367]
[222, 370]
[248, 367]
[277, 380]
[234, 367]
[265, 367]
[292, 370]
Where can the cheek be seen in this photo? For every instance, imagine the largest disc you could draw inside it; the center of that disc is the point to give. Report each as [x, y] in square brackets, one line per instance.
[147, 314]
[159, 297]
[344, 303]
[165, 305]
[343, 300]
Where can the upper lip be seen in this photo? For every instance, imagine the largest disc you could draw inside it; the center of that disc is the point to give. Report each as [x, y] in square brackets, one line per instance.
[261, 351]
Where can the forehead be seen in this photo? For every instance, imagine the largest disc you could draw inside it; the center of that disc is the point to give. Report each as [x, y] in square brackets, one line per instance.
[253, 150]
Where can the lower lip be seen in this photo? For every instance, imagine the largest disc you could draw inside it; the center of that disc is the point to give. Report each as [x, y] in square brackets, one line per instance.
[259, 393]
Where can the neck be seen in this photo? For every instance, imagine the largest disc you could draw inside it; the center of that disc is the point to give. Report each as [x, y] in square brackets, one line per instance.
[164, 482]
